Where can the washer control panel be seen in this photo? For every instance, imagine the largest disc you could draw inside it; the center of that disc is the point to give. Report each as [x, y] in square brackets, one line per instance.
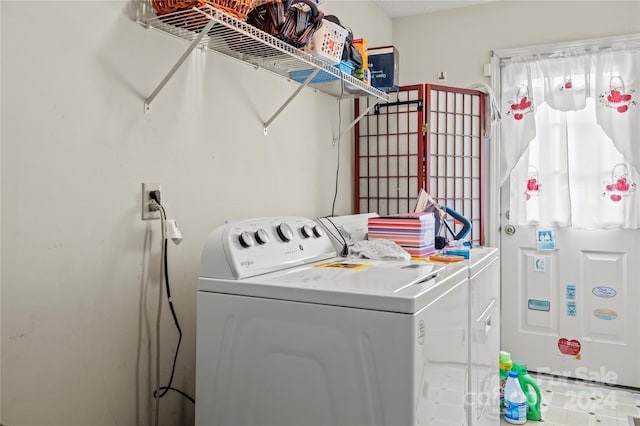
[250, 247]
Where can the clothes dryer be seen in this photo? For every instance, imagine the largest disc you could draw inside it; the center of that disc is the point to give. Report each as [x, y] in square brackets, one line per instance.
[484, 316]
[484, 336]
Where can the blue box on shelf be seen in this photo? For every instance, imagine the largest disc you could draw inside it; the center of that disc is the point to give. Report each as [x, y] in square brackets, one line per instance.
[321, 77]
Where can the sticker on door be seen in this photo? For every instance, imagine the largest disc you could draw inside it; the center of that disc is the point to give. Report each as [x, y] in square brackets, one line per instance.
[539, 305]
[539, 264]
[569, 347]
[605, 314]
[604, 292]
[546, 239]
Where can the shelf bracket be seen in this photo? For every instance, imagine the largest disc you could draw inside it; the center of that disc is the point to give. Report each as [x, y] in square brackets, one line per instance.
[354, 122]
[185, 55]
[284, 105]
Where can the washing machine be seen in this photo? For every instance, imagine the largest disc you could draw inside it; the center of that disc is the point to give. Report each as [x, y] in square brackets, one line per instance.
[290, 334]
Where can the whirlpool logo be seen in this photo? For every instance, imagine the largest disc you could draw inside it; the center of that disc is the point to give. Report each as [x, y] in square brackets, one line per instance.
[295, 250]
[246, 263]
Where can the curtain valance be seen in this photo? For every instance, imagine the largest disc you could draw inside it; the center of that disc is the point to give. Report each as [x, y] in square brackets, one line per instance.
[564, 82]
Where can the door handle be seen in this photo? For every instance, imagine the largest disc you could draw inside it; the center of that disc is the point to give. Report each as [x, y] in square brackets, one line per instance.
[510, 229]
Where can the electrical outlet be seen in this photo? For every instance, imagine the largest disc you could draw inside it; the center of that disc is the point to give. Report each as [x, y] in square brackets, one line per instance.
[147, 212]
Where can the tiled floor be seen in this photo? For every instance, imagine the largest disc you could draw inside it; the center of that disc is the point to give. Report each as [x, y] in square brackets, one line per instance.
[567, 402]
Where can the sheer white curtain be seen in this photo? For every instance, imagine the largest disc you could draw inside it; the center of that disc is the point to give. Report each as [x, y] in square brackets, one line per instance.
[570, 138]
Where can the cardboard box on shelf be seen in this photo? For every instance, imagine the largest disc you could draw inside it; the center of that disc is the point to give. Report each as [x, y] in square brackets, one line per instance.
[383, 67]
[362, 73]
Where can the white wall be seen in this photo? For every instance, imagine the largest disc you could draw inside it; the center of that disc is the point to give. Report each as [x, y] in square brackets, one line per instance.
[459, 41]
[363, 18]
[79, 268]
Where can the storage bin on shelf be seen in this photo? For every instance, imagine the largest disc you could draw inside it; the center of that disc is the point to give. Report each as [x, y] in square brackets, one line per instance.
[322, 76]
[236, 8]
[327, 42]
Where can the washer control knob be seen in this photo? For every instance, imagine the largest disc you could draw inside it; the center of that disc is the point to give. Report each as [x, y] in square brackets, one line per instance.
[307, 231]
[246, 240]
[318, 232]
[284, 232]
[261, 236]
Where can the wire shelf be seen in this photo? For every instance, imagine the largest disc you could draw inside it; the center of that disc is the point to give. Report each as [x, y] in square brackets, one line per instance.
[246, 43]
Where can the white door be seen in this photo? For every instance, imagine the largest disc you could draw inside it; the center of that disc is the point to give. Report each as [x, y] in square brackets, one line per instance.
[572, 311]
[570, 293]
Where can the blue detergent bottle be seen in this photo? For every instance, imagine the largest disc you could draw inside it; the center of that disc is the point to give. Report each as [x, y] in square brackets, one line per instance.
[530, 390]
[515, 401]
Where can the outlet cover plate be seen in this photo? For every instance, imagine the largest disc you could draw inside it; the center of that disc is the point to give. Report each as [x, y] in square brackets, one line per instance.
[147, 187]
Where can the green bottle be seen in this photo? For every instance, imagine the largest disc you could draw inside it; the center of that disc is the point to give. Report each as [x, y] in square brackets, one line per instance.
[505, 367]
[527, 383]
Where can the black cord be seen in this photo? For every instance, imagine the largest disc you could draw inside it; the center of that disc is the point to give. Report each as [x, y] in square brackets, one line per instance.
[167, 388]
[345, 246]
[335, 194]
[178, 391]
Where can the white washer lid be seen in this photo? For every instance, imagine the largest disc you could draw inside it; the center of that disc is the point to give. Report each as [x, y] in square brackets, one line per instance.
[376, 285]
